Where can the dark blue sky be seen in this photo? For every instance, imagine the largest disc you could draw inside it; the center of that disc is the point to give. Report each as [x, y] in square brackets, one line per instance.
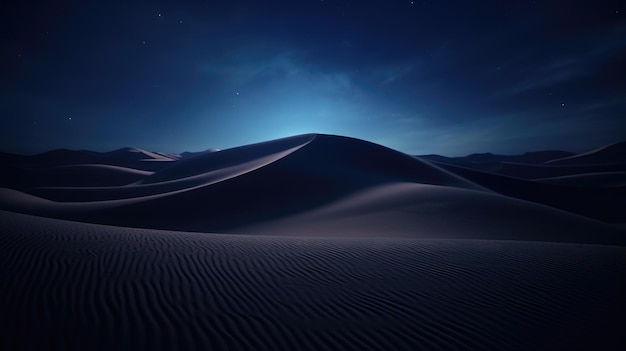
[447, 77]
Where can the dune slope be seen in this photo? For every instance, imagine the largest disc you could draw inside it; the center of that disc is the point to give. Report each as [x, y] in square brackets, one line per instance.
[430, 211]
[601, 203]
[613, 153]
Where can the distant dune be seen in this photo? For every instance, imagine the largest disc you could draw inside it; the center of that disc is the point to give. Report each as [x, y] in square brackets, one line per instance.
[95, 175]
[135, 154]
[126, 157]
[610, 180]
[610, 154]
[312, 242]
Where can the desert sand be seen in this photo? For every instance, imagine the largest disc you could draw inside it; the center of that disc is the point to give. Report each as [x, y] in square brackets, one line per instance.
[311, 242]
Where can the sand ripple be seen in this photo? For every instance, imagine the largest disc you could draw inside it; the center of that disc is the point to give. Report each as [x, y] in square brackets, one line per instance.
[73, 286]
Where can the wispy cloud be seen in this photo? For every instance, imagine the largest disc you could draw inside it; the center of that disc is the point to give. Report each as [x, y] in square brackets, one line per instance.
[550, 74]
[393, 73]
[246, 68]
[580, 62]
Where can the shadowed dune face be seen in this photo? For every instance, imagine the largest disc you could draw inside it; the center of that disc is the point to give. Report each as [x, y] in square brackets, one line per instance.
[96, 175]
[74, 286]
[543, 164]
[610, 180]
[527, 171]
[317, 185]
[610, 154]
[604, 203]
[428, 211]
[131, 158]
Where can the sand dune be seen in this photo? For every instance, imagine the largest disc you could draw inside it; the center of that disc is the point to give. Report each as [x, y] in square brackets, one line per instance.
[611, 180]
[72, 286]
[526, 171]
[494, 163]
[543, 164]
[534, 157]
[188, 154]
[252, 156]
[59, 157]
[186, 175]
[428, 211]
[261, 188]
[250, 184]
[95, 175]
[323, 243]
[133, 158]
[136, 154]
[609, 154]
[604, 204]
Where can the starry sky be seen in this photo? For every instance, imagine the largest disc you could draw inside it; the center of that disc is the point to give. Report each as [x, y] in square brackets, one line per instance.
[446, 77]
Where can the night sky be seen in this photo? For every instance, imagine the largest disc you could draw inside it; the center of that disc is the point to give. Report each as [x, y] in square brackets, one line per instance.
[447, 77]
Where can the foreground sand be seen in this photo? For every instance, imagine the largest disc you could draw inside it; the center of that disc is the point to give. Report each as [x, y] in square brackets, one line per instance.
[73, 286]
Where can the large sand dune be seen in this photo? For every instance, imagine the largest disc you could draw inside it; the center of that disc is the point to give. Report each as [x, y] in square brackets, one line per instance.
[260, 188]
[311, 242]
